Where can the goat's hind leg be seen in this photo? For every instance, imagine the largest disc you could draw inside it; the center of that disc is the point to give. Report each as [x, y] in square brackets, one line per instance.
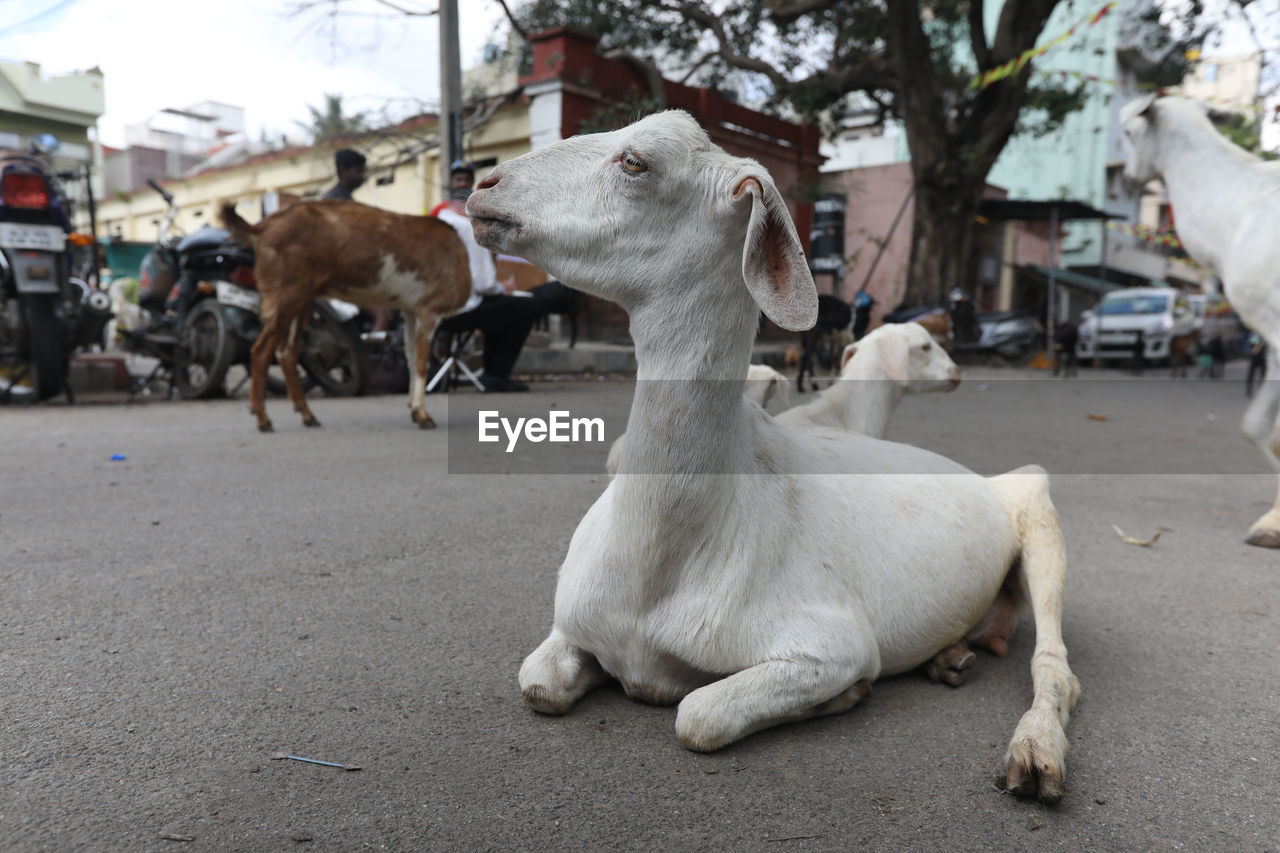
[288, 358]
[1262, 427]
[1035, 765]
[259, 364]
[557, 674]
[954, 664]
[419, 329]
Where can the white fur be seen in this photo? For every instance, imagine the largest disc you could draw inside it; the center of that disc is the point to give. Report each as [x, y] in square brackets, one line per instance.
[823, 559]
[763, 383]
[1227, 206]
[875, 373]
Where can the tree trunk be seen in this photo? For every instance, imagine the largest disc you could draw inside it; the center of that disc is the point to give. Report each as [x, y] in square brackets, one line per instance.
[942, 237]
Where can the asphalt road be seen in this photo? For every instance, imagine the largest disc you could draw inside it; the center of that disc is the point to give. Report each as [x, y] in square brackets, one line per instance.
[170, 621]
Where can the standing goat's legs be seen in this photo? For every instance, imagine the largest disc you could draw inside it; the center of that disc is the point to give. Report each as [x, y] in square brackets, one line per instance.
[259, 364]
[419, 328]
[773, 692]
[558, 674]
[1262, 427]
[288, 358]
[1035, 764]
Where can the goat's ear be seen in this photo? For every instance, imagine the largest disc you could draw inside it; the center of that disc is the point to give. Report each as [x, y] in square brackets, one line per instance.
[1137, 107]
[894, 351]
[773, 262]
[847, 354]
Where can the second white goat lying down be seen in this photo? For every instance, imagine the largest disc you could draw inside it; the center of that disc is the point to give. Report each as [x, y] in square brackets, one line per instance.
[753, 573]
[894, 360]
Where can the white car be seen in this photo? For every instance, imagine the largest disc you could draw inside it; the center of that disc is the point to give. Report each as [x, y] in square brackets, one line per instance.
[1110, 330]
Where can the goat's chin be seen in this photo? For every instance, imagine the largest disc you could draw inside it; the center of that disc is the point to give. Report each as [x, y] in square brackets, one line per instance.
[496, 235]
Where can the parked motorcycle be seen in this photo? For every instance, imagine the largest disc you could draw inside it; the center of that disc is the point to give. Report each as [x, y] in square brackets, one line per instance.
[46, 311]
[202, 296]
[1011, 337]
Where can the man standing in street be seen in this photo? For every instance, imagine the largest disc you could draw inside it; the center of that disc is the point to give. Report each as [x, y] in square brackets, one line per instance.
[351, 174]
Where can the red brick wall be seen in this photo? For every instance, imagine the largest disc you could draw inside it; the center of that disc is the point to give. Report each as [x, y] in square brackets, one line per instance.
[596, 93]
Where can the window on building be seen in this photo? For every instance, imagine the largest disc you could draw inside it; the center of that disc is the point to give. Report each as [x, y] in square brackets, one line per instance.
[1211, 73]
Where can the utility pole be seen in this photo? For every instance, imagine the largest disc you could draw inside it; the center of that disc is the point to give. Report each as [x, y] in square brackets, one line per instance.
[450, 91]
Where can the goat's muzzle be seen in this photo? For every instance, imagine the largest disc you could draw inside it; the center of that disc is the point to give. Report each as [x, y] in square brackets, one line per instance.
[489, 226]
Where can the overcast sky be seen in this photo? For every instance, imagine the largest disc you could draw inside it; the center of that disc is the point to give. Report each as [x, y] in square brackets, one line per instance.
[250, 53]
[254, 54]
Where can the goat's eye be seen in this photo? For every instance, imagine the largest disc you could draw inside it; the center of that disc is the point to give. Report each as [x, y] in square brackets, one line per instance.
[926, 347]
[633, 164]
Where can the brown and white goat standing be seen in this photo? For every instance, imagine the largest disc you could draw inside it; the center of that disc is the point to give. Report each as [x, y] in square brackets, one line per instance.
[363, 255]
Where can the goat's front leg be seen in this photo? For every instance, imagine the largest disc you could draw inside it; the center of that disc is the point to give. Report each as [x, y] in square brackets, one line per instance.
[1262, 426]
[558, 674]
[783, 690]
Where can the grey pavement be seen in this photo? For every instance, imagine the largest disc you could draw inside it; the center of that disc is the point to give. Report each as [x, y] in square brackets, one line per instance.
[170, 621]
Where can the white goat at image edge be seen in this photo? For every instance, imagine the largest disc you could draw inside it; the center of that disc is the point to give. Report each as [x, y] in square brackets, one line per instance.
[778, 571]
[1227, 205]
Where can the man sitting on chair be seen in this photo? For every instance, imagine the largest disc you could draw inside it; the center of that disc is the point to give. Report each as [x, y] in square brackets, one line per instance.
[504, 319]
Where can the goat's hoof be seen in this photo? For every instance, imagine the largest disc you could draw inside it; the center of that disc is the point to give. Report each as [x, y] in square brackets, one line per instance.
[1034, 782]
[541, 700]
[424, 421]
[1035, 765]
[951, 665]
[312, 421]
[267, 427]
[1264, 537]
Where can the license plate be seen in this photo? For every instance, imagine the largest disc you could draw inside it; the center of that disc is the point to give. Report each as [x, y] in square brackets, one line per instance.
[47, 238]
[238, 297]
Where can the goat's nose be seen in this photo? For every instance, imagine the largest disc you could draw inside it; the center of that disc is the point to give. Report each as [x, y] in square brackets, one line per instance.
[490, 180]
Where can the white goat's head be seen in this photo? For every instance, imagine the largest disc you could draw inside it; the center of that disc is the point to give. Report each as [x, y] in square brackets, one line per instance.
[646, 213]
[908, 355]
[1137, 119]
[1143, 121]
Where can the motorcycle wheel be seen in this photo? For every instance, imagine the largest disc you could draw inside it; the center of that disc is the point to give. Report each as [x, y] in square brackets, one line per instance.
[47, 365]
[205, 350]
[333, 355]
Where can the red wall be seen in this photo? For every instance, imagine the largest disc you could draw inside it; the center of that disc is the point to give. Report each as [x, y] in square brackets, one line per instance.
[592, 84]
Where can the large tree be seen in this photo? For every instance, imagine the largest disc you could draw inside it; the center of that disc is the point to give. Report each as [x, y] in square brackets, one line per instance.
[904, 58]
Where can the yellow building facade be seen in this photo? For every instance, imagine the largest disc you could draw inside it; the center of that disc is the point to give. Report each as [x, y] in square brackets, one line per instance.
[402, 177]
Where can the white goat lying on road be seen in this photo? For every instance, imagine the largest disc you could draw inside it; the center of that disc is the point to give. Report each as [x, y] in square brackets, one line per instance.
[875, 373]
[763, 382]
[1227, 206]
[824, 560]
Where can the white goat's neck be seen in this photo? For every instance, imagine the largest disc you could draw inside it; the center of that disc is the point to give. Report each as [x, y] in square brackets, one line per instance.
[867, 402]
[862, 400]
[1196, 163]
[688, 418]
